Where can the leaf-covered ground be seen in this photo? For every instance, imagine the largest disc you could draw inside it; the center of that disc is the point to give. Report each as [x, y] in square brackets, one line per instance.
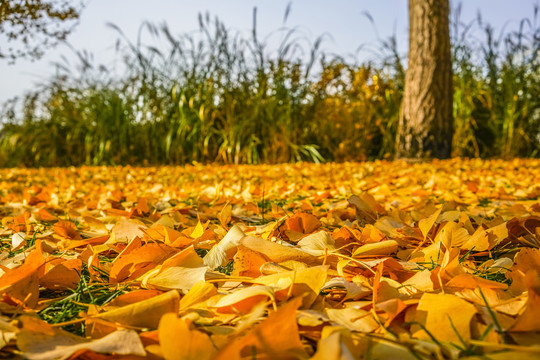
[382, 260]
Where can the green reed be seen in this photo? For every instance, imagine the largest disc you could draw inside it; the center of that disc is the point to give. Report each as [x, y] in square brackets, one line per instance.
[216, 95]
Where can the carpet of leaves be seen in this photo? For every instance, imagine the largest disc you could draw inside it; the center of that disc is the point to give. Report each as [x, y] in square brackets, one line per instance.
[377, 260]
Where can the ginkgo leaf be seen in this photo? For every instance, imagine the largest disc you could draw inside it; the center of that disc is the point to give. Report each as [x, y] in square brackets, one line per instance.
[175, 277]
[66, 229]
[198, 230]
[225, 215]
[61, 274]
[354, 291]
[277, 252]
[217, 256]
[139, 261]
[353, 319]
[145, 313]
[272, 261]
[366, 207]
[333, 347]
[126, 230]
[524, 260]
[39, 341]
[21, 284]
[17, 239]
[317, 243]
[302, 223]
[478, 241]
[198, 293]
[306, 283]
[248, 262]
[244, 300]
[421, 281]
[452, 235]
[277, 337]
[385, 247]
[529, 319]
[440, 319]
[178, 341]
[426, 224]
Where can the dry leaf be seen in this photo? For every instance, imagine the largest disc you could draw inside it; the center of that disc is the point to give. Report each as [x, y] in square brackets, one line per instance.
[178, 341]
[43, 342]
[437, 313]
[277, 337]
[145, 313]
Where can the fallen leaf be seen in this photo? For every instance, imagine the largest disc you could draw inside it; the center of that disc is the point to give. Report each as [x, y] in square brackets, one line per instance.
[277, 337]
[437, 314]
[426, 224]
[43, 342]
[217, 256]
[193, 344]
[145, 313]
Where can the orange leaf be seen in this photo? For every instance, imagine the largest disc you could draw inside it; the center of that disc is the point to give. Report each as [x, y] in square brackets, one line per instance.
[276, 337]
[529, 319]
[248, 262]
[21, 284]
[66, 229]
[139, 261]
[302, 222]
[61, 274]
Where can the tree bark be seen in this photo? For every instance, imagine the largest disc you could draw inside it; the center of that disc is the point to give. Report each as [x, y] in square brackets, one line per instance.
[426, 122]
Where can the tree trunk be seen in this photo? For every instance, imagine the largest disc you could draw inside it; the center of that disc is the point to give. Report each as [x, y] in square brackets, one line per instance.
[426, 123]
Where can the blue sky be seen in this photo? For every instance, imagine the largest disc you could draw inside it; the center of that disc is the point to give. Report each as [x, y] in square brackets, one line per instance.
[343, 20]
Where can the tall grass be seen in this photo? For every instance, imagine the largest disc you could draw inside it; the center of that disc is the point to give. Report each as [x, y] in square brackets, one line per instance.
[223, 96]
[496, 89]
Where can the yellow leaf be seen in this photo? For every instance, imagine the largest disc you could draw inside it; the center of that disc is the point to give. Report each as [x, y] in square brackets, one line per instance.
[225, 215]
[421, 281]
[317, 243]
[385, 247]
[277, 252]
[529, 319]
[200, 292]
[426, 224]
[139, 261]
[445, 316]
[306, 283]
[61, 274]
[39, 341]
[452, 235]
[198, 231]
[126, 230]
[176, 277]
[146, 313]
[333, 347]
[478, 241]
[178, 341]
[244, 300]
[353, 319]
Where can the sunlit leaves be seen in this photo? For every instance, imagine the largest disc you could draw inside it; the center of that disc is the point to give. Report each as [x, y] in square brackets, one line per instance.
[189, 262]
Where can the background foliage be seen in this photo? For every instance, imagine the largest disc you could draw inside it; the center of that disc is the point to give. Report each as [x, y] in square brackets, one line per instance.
[218, 95]
[32, 26]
